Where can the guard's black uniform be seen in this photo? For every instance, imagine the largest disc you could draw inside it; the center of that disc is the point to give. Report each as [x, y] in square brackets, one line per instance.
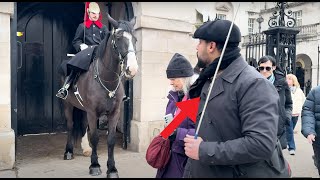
[93, 36]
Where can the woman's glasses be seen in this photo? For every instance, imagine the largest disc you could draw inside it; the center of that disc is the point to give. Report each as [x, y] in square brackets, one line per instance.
[261, 68]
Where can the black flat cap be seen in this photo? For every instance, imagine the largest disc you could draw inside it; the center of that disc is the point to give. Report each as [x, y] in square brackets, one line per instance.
[217, 31]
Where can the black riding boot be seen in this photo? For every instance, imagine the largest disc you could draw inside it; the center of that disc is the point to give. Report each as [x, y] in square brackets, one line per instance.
[63, 92]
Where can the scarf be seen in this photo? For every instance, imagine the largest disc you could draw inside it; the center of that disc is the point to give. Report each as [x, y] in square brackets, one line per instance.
[230, 55]
[271, 78]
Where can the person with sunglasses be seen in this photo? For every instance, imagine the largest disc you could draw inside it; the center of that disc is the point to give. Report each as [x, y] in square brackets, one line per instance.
[267, 68]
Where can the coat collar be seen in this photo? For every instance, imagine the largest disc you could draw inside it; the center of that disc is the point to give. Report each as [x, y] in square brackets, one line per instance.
[88, 23]
[229, 75]
[234, 69]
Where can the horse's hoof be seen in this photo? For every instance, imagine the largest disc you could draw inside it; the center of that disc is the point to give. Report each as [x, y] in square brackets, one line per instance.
[113, 175]
[87, 152]
[95, 171]
[68, 156]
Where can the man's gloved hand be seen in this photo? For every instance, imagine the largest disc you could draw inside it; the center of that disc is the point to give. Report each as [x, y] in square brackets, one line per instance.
[83, 46]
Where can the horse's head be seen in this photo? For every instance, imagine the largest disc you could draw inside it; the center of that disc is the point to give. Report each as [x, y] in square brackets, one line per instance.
[124, 44]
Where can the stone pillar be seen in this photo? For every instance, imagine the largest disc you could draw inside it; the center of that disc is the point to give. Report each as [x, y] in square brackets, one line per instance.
[159, 38]
[7, 136]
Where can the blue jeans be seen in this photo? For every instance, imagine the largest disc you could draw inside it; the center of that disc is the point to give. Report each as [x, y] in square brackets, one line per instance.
[290, 133]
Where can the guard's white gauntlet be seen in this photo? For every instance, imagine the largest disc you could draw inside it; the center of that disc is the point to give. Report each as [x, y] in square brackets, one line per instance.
[83, 46]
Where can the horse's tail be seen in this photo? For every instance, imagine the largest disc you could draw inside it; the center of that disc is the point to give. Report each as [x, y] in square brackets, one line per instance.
[79, 124]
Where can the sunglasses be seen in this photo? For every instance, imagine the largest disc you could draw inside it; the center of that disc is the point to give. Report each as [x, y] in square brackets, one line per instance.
[261, 68]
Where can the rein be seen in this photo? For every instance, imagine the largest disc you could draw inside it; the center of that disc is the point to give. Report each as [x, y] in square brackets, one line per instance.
[121, 57]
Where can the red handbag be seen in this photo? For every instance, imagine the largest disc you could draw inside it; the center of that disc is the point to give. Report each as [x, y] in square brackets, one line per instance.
[158, 152]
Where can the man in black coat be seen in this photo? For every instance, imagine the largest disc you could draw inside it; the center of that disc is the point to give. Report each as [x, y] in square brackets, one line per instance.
[89, 34]
[238, 132]
[267, 67]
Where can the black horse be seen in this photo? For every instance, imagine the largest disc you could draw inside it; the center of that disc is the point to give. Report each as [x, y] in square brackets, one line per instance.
[101, 92]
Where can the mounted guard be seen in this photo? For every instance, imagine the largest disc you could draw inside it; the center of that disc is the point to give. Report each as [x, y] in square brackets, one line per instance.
[102, 92]
[89, 34]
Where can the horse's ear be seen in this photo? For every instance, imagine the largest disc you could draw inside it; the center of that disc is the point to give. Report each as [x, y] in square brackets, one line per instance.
[133, 21]
[114, 23]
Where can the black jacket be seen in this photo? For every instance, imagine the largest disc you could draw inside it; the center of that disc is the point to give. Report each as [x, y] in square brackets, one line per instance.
[285, 106]
[93, 36]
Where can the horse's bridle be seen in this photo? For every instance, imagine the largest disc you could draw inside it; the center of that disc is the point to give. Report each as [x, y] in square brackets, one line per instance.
[121, 57]
[115, 47]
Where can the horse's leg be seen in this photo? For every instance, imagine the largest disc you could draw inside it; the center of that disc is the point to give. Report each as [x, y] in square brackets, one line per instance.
[68, 111]
[85, 145]
[94, 169]
[112, 171]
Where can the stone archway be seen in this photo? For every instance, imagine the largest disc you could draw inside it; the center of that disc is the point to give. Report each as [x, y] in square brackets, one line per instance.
[304, 72]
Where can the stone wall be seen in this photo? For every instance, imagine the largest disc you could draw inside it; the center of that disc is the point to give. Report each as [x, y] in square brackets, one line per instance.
[7, 136]
[160, 35]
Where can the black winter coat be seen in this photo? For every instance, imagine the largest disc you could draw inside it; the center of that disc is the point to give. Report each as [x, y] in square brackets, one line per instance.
[285, 106]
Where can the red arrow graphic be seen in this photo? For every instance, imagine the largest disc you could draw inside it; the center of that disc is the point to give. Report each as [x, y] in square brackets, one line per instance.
[189, 108]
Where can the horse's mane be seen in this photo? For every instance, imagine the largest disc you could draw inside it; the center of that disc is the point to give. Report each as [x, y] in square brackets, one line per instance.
[124, 25]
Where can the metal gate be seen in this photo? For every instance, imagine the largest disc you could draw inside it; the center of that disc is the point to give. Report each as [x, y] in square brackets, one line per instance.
[255, 48]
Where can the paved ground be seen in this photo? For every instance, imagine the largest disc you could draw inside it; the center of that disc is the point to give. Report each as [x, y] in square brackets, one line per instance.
[42, 156]
[301, 163]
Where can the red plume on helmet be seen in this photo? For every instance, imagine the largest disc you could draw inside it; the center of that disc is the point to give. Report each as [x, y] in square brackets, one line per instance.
[87, 21]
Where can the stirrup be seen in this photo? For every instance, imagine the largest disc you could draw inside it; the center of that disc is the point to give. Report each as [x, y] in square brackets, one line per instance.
[61, 92]
[125, 98]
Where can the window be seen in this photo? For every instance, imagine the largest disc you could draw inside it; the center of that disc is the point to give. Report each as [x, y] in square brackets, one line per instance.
[250, 25]
[221, 16]
[297, 15]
